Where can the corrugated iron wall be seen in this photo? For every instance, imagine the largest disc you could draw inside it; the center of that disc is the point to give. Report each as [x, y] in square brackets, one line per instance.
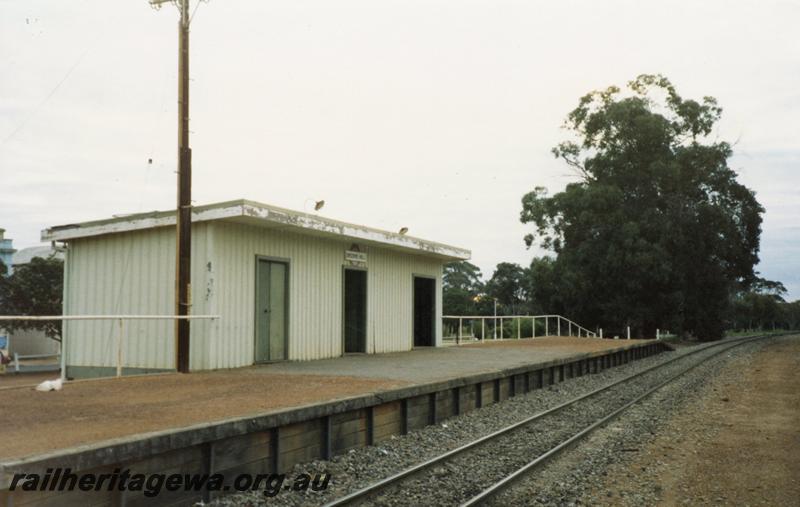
[315, 293]
[133, 273]
[390, 299]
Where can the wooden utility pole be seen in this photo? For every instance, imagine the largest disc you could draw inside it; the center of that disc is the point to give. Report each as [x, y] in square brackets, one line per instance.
[183, 251]
[183, 288]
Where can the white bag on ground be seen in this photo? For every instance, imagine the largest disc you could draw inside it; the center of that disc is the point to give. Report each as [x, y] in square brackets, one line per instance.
[49, 385]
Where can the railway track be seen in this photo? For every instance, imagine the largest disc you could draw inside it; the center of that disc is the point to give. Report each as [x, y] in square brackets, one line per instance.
[520, 448]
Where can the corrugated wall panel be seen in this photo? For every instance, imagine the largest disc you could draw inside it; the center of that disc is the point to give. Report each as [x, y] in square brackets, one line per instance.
[131, 273]
[315, 293]
[390, 301]
[134, 273]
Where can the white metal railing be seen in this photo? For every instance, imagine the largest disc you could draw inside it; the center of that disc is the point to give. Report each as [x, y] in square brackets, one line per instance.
[120, 318]
[48, 367]
[496, 323]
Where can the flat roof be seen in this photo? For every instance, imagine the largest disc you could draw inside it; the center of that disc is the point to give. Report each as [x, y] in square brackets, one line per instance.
[259, 214]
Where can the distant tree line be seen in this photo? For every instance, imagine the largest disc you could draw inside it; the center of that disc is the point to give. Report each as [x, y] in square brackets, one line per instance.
[763, 308]
[535, 290]
[655, 233]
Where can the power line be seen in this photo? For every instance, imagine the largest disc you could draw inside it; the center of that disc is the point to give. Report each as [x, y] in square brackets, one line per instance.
[49, 95]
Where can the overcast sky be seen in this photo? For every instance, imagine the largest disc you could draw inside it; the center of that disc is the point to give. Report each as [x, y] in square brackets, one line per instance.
[428, 114]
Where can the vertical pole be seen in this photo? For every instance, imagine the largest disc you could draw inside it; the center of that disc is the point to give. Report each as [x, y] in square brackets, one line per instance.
[546, 326]
[494, 329]
[183, 290]
[458, 338]
[533, 327]
[658, 335]
[501, 328]
[569, 327]
[629, 332]
[62, 348]
[483, 327]
[519, 325]
[601, 332]
[558, 322]
[119, 350]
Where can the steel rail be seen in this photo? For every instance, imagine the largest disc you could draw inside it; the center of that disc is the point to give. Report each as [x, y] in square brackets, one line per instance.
[397, 477]
[506, 482]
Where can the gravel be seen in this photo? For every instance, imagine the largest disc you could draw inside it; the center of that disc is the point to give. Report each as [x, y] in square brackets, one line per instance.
[458, 479]
[580, 477]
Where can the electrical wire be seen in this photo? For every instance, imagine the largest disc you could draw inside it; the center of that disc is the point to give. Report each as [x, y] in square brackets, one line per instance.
[48, 97]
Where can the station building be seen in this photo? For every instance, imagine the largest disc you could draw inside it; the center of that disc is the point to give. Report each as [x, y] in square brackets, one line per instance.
[286, 285]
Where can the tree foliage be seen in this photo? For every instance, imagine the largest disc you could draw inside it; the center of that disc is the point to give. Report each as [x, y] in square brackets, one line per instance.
[763, 308]
[35, 288]
[657, 231]
[507, 285]
[542, 287]
[461, 288]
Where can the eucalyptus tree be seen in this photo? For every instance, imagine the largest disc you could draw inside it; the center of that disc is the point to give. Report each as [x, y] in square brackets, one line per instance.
[656, 231]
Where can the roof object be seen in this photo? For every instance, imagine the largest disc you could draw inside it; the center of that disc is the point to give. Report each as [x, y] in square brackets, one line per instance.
[264, 215]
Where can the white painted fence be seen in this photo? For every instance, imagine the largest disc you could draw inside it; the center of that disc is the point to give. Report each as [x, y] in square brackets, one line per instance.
[464, 327]
[120, 318]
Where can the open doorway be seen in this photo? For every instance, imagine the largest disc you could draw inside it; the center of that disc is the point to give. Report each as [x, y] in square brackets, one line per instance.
[355, 310]
[424, 311]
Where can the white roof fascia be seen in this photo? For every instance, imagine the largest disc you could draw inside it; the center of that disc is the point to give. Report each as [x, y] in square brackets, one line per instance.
[262, 212]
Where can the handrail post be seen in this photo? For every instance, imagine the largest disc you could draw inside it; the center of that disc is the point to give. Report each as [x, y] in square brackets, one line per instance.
[519, 325]
[119, 350]
[483, 334]
[458, 338]
[547, 325]
[533, 327]
[559, 325]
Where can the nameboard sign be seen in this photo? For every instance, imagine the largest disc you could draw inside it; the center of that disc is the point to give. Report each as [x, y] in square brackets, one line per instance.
[355, 258]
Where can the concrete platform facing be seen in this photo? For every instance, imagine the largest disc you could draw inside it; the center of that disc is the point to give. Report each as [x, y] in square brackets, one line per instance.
[266, 418]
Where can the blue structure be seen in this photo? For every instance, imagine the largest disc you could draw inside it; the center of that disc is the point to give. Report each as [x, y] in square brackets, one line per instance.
[6, 251]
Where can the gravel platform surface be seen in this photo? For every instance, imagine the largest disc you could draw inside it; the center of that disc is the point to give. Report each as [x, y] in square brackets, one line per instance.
[458, 479]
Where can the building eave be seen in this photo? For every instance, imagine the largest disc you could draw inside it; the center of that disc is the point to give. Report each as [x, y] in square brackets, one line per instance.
[263, 214]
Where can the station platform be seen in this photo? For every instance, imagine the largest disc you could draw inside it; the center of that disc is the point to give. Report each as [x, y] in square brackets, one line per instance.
[342, 403]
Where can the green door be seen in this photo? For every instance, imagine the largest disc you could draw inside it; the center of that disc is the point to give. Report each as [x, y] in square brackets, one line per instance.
[271, 310]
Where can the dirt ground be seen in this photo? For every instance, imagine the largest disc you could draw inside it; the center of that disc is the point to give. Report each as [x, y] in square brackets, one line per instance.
[90, 411]
[24, 379]
[737, 444]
